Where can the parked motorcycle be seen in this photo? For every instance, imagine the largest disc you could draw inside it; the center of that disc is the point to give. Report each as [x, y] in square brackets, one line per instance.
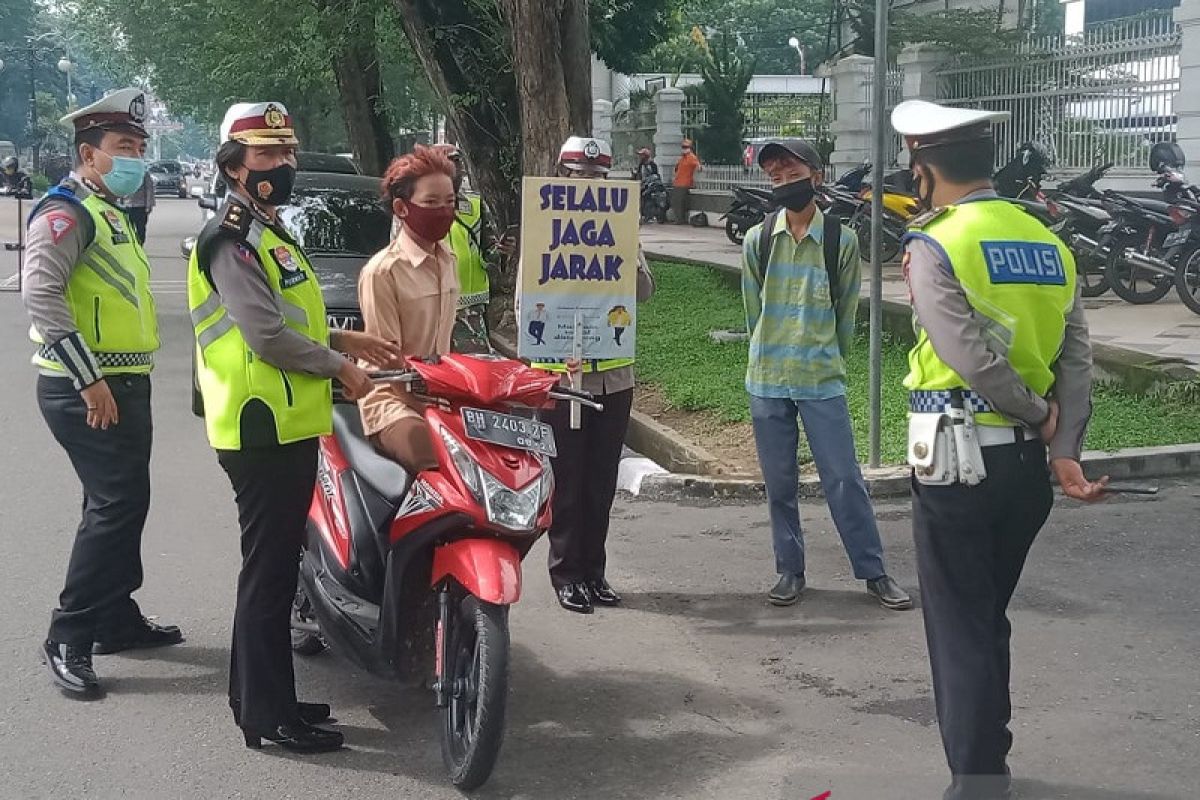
[656, 200]
[1078, 217]
[411, 576]
[750, 207]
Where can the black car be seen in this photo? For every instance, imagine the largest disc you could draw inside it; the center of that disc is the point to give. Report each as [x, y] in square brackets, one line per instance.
[340, 222]
[168, 178]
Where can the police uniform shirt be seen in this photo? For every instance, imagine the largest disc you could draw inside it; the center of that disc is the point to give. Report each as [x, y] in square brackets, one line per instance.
[959, 338]
[58, 235]
[239, 278]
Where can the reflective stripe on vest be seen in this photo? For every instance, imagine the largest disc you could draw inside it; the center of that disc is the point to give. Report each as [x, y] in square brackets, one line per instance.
[590, 365]
[109, 297]
[1019, 279]
[465, 242]
[230, 374]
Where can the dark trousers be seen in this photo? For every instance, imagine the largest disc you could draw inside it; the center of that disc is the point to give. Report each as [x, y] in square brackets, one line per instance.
[114, 469]
[139, 216]
[585, 482]
[971, 545]
[537, 330]
[273, 487]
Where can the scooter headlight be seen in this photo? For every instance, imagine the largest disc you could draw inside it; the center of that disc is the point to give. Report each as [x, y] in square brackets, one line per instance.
[516, 510]
[467, 467]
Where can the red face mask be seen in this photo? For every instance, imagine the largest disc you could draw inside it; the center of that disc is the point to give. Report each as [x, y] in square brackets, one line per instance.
[430, 223]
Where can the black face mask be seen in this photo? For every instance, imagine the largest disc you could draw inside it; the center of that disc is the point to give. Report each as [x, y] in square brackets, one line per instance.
[272, 187]
[923, 186]
[794, 196]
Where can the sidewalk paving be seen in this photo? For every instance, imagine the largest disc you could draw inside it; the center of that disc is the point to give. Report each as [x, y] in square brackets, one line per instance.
[1166, 329]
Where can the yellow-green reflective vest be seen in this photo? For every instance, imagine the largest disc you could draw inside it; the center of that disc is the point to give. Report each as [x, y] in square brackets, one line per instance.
[231, 374]
[465, 241]
[1020, 281]
[109, 297]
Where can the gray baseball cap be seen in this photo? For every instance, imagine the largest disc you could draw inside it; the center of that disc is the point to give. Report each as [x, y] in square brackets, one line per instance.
[795, 147]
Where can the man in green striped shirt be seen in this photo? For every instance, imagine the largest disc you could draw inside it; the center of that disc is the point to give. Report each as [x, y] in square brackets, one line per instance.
[800, 317]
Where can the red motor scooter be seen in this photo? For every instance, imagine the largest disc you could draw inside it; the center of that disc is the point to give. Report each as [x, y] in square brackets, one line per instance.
[411, 576]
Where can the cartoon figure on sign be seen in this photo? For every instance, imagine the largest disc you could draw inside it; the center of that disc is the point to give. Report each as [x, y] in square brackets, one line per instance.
[537, 323]
[619, 320]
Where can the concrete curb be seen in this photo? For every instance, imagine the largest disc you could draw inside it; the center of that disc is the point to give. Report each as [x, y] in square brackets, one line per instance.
[1135, 463]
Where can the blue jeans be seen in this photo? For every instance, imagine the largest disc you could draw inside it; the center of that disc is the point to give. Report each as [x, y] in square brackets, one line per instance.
[827, 426]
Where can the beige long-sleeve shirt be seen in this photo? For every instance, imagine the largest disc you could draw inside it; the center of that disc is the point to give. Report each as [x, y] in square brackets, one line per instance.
[409, 296]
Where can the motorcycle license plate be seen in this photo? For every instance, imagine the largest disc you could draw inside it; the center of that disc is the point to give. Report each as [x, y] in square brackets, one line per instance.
[506, 430]
[1175, 239]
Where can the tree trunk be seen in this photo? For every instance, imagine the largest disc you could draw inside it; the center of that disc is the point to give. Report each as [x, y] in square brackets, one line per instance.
[480, 105]
[577, 64]
[355, 64]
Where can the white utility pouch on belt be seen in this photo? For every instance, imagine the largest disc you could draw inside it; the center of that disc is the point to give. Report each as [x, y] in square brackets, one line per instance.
[943, 446]
[968, 451]
[931, 449]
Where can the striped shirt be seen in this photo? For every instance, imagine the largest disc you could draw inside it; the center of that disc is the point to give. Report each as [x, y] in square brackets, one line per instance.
[796, 342]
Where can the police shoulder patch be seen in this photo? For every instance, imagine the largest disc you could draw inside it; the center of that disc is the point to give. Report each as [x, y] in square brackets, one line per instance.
[921, 220]
[236, 219]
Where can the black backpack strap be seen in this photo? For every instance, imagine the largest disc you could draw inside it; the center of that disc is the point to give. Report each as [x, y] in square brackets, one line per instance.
[833, 255]
[765, 238]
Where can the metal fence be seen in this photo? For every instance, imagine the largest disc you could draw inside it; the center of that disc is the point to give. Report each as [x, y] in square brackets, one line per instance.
[766, 116]
[1104, 96]
[633, 128]
[893, 94]
[722, 177]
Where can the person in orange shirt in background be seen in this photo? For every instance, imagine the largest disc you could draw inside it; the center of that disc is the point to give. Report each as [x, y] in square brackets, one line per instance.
[685, 180]
[689, 164]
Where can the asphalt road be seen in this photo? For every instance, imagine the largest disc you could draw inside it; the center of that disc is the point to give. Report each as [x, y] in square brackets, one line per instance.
[697, 689]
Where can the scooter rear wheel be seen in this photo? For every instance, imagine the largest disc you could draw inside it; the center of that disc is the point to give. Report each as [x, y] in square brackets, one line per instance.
[477, 671]
[1134, 284]
[734, 232]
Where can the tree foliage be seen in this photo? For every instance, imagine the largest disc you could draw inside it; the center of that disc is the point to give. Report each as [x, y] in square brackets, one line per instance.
[727, 72]
[623, 31]
[760, 27]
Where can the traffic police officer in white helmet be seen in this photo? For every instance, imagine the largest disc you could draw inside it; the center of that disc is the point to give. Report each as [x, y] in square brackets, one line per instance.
[1000, 372]
[87, 290]
[585, 471]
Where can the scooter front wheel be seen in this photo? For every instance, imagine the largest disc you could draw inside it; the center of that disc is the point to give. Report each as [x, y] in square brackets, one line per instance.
[477, 672]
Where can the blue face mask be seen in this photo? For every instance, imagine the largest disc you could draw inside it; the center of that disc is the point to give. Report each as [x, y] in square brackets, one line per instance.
[126, 175]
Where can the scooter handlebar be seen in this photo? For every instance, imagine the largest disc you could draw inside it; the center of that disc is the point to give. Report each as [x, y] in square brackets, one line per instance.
[572, 396]
[394, 376]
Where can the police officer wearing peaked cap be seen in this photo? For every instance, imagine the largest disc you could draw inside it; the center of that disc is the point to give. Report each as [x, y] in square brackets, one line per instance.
[265, 357]
[1001, 339]
[87, 291]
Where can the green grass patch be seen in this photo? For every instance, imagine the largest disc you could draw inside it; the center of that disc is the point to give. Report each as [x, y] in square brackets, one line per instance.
[698, 374]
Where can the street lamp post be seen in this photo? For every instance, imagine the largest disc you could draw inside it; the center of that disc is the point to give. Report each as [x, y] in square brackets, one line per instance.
[794, 43]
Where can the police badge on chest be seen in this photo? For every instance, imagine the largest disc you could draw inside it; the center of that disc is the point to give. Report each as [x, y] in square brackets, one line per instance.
[291, 274]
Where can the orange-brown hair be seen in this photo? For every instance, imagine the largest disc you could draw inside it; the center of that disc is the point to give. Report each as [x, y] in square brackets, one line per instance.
[403, 173]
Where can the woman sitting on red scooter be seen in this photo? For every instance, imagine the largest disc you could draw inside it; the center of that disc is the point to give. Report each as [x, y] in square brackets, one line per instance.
[408, 293]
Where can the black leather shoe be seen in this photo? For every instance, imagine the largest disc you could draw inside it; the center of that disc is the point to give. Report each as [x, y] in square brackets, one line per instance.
[574, 597]
[787, 590]
[146, 635]
[310, 713]
[70, 667]
[889, 594]
[602, 594]
[299, 738]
